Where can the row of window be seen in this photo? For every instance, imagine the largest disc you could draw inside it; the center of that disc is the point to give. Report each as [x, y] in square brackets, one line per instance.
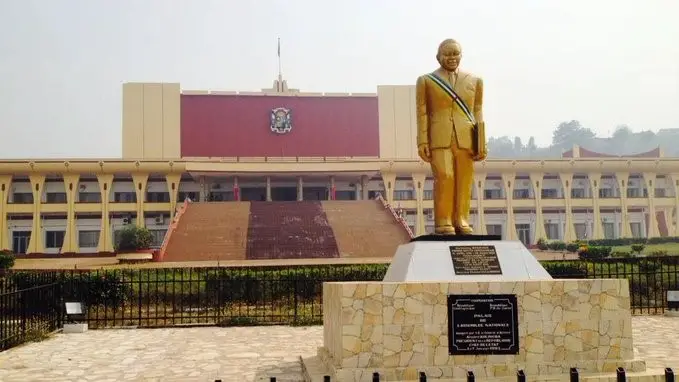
[554, 231]
[92, 197]
[221, 196]
[86, 239]
[548, 193]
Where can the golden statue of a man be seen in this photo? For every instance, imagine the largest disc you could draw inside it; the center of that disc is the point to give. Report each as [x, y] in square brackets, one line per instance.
[451, 136]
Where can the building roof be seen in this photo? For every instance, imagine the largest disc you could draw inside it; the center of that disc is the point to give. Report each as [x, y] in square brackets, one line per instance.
[580, 152]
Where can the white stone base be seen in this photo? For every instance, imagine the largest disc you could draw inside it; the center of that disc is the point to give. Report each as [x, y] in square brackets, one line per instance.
[432, 261]
[74, 328]
[671, 313]
[400, 329]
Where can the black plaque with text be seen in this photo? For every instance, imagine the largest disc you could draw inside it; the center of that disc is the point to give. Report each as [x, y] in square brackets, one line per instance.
[475, 260]
[483, 324]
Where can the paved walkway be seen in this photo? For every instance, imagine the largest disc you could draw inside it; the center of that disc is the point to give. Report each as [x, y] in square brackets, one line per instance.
[230, 354]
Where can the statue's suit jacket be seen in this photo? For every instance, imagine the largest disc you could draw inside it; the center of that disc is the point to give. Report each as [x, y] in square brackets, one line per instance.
[439, 119]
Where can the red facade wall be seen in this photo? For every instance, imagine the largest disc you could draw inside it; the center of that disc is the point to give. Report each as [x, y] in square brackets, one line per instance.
[233, 125]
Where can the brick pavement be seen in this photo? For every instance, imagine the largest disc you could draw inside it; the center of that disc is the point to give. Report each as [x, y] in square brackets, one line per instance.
[230, 354]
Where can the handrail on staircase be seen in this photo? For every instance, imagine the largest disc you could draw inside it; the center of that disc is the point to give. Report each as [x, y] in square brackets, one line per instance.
[398, 217]
[173, 225]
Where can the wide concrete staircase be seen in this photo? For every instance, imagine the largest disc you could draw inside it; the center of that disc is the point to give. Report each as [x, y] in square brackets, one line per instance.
[289, 230]
[209, 232]
[364, 228]
[241, 231]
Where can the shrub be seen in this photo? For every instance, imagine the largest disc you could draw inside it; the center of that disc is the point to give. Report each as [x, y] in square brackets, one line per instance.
[638, 248]
[658, 253]
[572, 247]
[134, 238]
[144, 238]
[102, 288]
[621, 254]
[594, 253]
[542, 244]
[6, 259]
[617, 242]
[250, 284]
[566, 269]
[648, 266]
[92, 288]
[557, 245]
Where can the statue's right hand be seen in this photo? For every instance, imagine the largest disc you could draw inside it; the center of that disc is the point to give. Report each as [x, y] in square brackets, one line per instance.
[424, 153]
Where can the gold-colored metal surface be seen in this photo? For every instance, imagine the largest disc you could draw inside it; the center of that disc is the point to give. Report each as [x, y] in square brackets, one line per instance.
[448, 138]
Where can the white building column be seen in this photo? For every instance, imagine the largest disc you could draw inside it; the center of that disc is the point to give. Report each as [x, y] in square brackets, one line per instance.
[622, 179]
[364, 187]
[537, 180]
[480, 184]
[652, 230]
[331, 192]
[268, 188]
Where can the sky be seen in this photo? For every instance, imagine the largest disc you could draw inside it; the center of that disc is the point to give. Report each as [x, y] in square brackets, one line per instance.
[63, 63]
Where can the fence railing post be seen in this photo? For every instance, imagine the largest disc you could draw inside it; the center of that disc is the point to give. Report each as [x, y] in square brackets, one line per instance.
[376, 377]
[575, 376]
[669, 375]
[620, 374]
[22, 295]
[520, 376]
[470, 376]
[326, 378]
[294, 299]
[60, 297]
[140, 300]
[423, 376]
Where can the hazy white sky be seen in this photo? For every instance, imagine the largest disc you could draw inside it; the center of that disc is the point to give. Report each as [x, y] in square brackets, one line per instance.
[62, 63]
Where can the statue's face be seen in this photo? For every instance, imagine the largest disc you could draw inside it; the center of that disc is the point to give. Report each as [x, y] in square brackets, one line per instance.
[449, 56]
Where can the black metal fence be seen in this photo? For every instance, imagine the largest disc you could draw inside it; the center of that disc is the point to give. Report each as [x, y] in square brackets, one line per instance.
[29, 311]
[31, 303]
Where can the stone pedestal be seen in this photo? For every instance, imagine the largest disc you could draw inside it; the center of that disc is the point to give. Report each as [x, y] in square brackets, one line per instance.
[464, 258]
[401, 329]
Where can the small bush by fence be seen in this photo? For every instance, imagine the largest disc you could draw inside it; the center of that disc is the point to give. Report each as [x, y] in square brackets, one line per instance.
[250, 296]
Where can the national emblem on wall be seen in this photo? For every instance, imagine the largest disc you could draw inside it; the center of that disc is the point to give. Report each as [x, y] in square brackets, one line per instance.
[281, 120]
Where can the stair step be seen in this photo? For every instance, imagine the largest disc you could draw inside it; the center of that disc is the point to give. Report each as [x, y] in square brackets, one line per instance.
[210, 231]
[364, 228]
[285, 230]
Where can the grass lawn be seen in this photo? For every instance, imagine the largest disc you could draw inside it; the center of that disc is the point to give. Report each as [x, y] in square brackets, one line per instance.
[671, 248]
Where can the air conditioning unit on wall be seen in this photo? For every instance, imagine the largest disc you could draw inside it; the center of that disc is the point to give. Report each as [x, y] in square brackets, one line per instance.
[160, 219]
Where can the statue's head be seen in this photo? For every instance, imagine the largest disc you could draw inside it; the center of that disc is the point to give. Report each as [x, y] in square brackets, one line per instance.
[449, 54]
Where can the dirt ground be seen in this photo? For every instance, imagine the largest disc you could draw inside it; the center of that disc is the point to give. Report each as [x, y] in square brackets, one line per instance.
[112, 262]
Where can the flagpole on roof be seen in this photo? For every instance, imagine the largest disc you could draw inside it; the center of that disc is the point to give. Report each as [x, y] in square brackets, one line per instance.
[280, 70]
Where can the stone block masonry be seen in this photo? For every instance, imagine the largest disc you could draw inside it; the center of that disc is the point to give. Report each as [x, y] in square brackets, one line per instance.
[400, 329]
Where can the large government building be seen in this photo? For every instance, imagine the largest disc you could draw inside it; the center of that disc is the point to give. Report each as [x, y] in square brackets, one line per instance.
[281, 144]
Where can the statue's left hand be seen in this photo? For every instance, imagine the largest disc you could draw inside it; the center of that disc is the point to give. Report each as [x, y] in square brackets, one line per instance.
[481, 156]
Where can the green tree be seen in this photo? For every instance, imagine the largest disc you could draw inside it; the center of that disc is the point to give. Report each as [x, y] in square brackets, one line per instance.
[134, 238]
[501, 147]
[531, 147]
[571, 133]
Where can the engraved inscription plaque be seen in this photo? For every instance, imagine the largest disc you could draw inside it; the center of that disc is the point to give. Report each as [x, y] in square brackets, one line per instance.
[483, 324]
[475, 260]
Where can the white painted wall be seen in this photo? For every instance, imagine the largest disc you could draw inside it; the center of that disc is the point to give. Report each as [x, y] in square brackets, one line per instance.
[126, 186]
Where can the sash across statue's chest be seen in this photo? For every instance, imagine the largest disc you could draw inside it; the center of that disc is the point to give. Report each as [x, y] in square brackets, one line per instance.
[457, 94]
